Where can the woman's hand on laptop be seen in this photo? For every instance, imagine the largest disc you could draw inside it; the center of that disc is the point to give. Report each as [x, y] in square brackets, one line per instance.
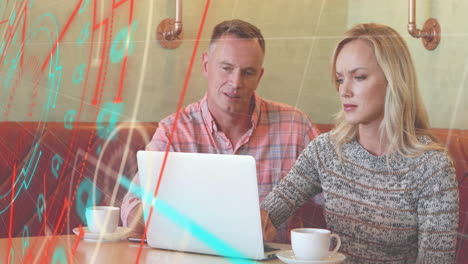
[269, 230]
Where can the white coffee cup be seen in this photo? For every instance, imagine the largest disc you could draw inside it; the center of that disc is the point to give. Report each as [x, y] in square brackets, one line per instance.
[313, 243]
[102, 219]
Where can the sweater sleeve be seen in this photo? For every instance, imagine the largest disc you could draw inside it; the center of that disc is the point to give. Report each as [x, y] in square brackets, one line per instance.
[301, 183]
[438, 215]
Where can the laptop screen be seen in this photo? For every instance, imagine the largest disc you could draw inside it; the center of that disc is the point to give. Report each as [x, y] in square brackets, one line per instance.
[206, 203]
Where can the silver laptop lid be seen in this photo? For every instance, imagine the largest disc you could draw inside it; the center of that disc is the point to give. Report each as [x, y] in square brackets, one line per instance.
[206, 203]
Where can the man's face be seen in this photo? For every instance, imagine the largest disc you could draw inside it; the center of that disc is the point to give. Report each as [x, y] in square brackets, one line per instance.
[233, 68]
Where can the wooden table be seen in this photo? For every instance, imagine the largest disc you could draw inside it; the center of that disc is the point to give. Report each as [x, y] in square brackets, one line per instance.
[71, 249]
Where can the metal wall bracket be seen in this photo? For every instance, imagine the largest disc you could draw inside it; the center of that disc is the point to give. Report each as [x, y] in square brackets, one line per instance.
[430, 34]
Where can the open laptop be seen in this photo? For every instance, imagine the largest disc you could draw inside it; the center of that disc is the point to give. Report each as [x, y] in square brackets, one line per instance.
[206, 203]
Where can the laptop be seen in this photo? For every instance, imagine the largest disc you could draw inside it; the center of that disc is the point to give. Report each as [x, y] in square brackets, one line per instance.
[206, 203]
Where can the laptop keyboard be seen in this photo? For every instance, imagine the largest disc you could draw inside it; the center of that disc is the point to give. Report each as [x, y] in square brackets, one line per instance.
[269, 249]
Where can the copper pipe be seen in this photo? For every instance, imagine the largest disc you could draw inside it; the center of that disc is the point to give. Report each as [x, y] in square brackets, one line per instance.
[412, 28]
[178, 21]
[175, 32]
[430, 33]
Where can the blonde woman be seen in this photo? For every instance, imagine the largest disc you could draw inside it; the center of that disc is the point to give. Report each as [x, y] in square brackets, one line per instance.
[390, 190]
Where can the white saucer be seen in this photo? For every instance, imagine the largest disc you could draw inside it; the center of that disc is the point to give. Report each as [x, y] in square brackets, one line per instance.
[287, 256]
[119, 233]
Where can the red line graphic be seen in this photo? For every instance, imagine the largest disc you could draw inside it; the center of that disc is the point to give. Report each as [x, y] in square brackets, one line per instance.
[118, 98]
[95, 26]
[105, 22]
[44, 214]
[23, 33]
[105, 57]
[51, 240]
[16, 81]
[85, 83]
[75, 128]
[10, 226]
[10, 32]
[78, 239]
[72, 140]
[65, 207]
[116, 5]
[37, 77]
[179, 107]
[90, 140]
[62, 34]
[79, 111]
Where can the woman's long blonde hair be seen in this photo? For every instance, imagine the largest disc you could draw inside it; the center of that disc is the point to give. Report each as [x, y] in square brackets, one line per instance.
[405, 117]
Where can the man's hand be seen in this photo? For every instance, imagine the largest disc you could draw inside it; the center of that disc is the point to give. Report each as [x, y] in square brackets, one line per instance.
[135, 219]
[269, 230]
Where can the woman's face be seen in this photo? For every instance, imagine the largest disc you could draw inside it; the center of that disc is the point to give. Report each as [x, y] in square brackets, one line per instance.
[361, 83]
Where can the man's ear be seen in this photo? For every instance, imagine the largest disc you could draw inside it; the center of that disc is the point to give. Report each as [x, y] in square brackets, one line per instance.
[261, 75]
[205, 58]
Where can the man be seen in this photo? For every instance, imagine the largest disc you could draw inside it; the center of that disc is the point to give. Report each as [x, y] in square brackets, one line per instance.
[233, 119]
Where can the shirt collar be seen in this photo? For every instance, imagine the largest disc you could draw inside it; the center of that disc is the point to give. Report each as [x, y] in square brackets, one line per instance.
[206, 115]
[256, 111]
[210, 122]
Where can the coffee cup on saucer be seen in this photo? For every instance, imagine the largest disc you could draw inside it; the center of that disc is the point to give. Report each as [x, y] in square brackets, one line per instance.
[102, 219]
[313, 243]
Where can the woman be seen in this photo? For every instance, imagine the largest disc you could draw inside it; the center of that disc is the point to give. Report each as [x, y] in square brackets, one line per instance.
[390, 189]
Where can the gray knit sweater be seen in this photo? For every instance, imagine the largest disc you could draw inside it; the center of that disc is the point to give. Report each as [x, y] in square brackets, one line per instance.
[395, 210]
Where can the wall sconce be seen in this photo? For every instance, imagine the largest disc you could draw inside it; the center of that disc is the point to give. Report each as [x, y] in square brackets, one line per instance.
[169, 32]
[430, 34]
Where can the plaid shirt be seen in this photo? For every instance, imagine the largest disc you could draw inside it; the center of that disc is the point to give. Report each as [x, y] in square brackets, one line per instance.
[277, 136]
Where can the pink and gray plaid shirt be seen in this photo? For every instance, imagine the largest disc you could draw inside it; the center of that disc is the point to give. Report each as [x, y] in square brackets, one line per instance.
[278, 135]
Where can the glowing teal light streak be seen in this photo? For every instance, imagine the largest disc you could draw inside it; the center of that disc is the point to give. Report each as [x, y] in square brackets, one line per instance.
[25, 238]
[15, 37]
[198, 231]
[84, 34]
[53, 64]
[56, 163]
[78, 74]
[2, 47]
[11, 257]
[11, 71]
[60, 256]
[27, 180]
[98, 150]
[40, 206]
[35, 28]
[14, 61]
[119, 45]
[55, 80]
[68, 119]
[107, 119]
[12, 18]
[93, 197]
[84, 4]
[23, 180]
